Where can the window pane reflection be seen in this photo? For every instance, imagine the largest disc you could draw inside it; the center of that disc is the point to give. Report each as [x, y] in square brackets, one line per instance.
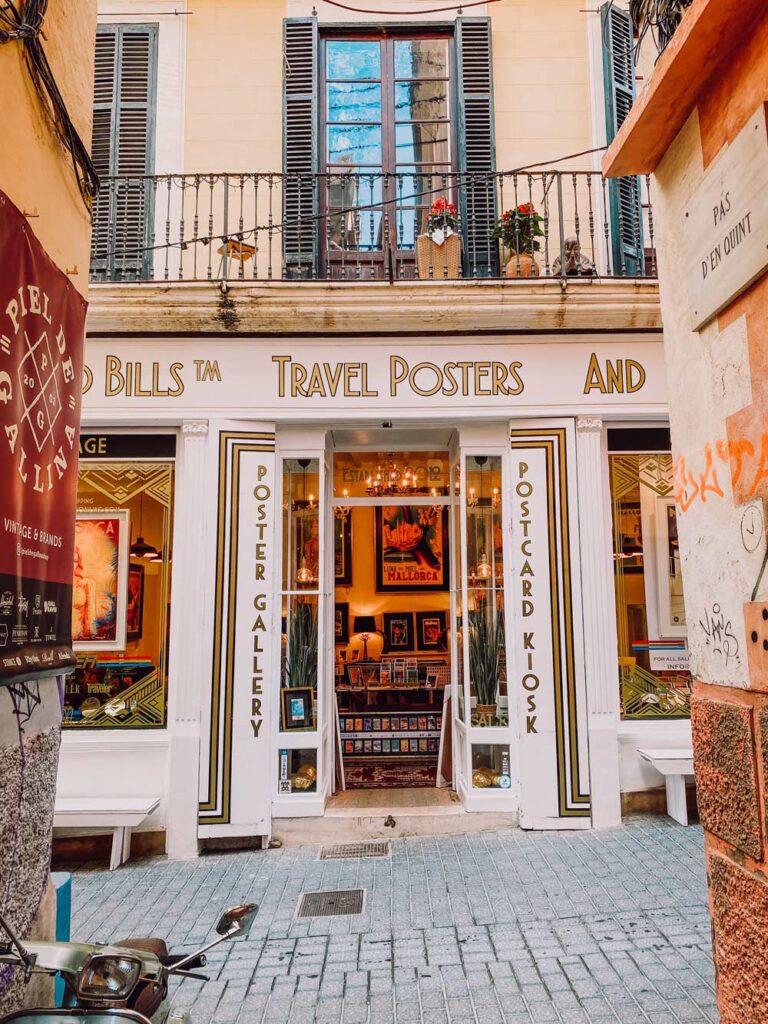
[421, 101]
[421, 58]
[422, 143]
[352, 101]
[354, 144]
[353, 58]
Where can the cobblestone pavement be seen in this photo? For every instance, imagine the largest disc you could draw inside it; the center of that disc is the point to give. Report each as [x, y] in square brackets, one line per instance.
[490, 927]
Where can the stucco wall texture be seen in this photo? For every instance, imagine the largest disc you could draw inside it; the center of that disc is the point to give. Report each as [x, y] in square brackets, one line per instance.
[36, 172]
[718, 382]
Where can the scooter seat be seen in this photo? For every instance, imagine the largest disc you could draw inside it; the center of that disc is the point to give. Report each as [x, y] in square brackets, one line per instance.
[144, 945]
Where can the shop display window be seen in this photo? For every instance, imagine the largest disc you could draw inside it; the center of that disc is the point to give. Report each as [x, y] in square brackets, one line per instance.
[302, 554]
[121, 596]
[653, 670]
[490, 766]
[485, 591]
[296, 771]
[299, 663]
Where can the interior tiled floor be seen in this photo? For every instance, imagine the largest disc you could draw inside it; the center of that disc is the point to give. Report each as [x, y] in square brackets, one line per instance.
[505, 927]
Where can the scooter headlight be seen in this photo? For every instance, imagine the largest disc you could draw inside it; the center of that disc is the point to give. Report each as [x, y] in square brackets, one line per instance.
[107, 976]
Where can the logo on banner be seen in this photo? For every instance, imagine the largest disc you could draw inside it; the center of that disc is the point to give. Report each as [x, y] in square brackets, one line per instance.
[38, 392]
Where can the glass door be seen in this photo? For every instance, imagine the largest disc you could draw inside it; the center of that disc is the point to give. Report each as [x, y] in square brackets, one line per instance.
[457, 698]
[388, 149]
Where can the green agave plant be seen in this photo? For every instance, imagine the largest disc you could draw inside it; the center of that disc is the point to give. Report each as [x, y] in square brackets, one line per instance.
[486, 643]
[300, 666]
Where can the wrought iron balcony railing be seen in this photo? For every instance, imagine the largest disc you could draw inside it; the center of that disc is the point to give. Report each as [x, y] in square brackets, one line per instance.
[359, 226]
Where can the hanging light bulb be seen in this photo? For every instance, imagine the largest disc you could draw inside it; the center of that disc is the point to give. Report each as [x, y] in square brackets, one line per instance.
[484, 567]
[304, 574]
[140, 548]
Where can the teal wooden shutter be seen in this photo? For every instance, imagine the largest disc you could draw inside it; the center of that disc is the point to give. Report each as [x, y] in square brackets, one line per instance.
[624, 194]
[477, 150]
[300, 147]
[123, 144]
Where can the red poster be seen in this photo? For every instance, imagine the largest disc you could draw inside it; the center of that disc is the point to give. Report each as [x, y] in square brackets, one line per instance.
[42, 326]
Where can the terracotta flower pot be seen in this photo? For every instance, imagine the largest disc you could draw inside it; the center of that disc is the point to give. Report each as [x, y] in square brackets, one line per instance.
[438, 262]
[522, 264]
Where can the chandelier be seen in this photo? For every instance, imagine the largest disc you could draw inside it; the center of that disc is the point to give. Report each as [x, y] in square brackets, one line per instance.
[392, 480]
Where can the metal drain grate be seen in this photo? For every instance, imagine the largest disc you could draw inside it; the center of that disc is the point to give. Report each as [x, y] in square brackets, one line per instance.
[332, 903]
[345, 851]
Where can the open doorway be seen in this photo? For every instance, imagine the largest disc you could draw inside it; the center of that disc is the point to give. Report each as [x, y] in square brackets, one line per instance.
[392, 614]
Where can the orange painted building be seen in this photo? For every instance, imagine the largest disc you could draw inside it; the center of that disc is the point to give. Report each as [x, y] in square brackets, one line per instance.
[699, 127]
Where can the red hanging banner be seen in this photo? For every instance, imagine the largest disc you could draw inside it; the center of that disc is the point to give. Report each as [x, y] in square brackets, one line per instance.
[42, 328]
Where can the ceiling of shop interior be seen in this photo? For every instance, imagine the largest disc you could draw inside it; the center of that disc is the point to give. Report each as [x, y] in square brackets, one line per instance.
[393, 439]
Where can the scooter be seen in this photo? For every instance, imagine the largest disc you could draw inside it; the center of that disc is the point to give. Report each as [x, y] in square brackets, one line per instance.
[124, 979]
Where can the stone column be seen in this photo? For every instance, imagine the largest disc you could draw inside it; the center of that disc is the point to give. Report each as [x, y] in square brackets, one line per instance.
[190, 649]
[600, 651]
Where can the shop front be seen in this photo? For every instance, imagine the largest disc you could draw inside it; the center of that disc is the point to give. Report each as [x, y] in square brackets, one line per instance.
[392, 566]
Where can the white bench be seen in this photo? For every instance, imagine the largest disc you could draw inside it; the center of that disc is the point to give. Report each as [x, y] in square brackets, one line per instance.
[120, 814]
[674, 764]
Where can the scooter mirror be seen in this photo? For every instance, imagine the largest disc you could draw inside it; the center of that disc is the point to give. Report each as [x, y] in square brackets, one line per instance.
[240, 918]
[74, 1016]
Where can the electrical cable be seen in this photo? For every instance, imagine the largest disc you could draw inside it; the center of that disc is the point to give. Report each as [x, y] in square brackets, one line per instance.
[415, 14]
[28, 28]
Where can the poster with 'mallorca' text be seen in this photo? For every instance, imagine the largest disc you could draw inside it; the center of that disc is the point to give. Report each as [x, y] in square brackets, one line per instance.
[42, 324]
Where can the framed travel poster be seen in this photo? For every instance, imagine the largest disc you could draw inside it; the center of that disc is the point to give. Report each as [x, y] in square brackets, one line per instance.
[430, 631]
[341, 622]
[398, 631]
[297, 707]
[411, 548]
[342, 547]
[134, 612]
[100, 582]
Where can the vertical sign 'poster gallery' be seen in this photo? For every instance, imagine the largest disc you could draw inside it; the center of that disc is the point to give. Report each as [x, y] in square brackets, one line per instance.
[42, 324]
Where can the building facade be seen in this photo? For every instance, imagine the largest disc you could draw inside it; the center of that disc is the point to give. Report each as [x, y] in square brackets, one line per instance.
[45, 229]
[393, 494]
[710, 161]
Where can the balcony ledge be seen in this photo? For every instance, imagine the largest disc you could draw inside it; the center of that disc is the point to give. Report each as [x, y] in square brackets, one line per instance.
[706, 40]
[373, 307]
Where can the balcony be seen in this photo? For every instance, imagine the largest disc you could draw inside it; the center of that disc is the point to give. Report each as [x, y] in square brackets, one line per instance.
[359, 227]
[659, 18]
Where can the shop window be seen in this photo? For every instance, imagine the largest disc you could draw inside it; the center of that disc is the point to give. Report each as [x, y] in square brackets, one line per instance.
[490, 766]
[301, 592]
[121, 595]
[653, 657]
[296, 771]
[485, 592]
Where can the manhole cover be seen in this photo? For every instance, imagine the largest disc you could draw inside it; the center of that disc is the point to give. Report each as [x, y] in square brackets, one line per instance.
[344, 851]
[333, 903]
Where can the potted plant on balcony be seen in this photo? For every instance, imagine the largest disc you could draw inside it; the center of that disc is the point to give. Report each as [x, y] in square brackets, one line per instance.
[518, 230]
[438, 252]
[486, 643]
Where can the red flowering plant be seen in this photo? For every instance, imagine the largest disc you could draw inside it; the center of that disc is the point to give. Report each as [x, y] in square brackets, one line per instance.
[442, 215]
[519, 229]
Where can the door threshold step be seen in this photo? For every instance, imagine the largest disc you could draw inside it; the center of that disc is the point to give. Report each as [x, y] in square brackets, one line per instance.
[351, 825]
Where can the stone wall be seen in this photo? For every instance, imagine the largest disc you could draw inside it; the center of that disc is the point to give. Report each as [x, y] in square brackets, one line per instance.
[718, 383]
[30, 733]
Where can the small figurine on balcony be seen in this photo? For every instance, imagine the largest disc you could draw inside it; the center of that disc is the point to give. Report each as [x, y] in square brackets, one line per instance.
[576, 264]
[438, 252]
[518, 230]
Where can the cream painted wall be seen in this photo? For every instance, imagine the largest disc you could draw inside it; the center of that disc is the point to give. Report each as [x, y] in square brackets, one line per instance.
[542, 76]
[541, 79]
[36, 170]
[234, 104]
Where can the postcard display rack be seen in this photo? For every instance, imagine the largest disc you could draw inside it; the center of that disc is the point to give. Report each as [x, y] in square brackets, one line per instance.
[373, 722]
